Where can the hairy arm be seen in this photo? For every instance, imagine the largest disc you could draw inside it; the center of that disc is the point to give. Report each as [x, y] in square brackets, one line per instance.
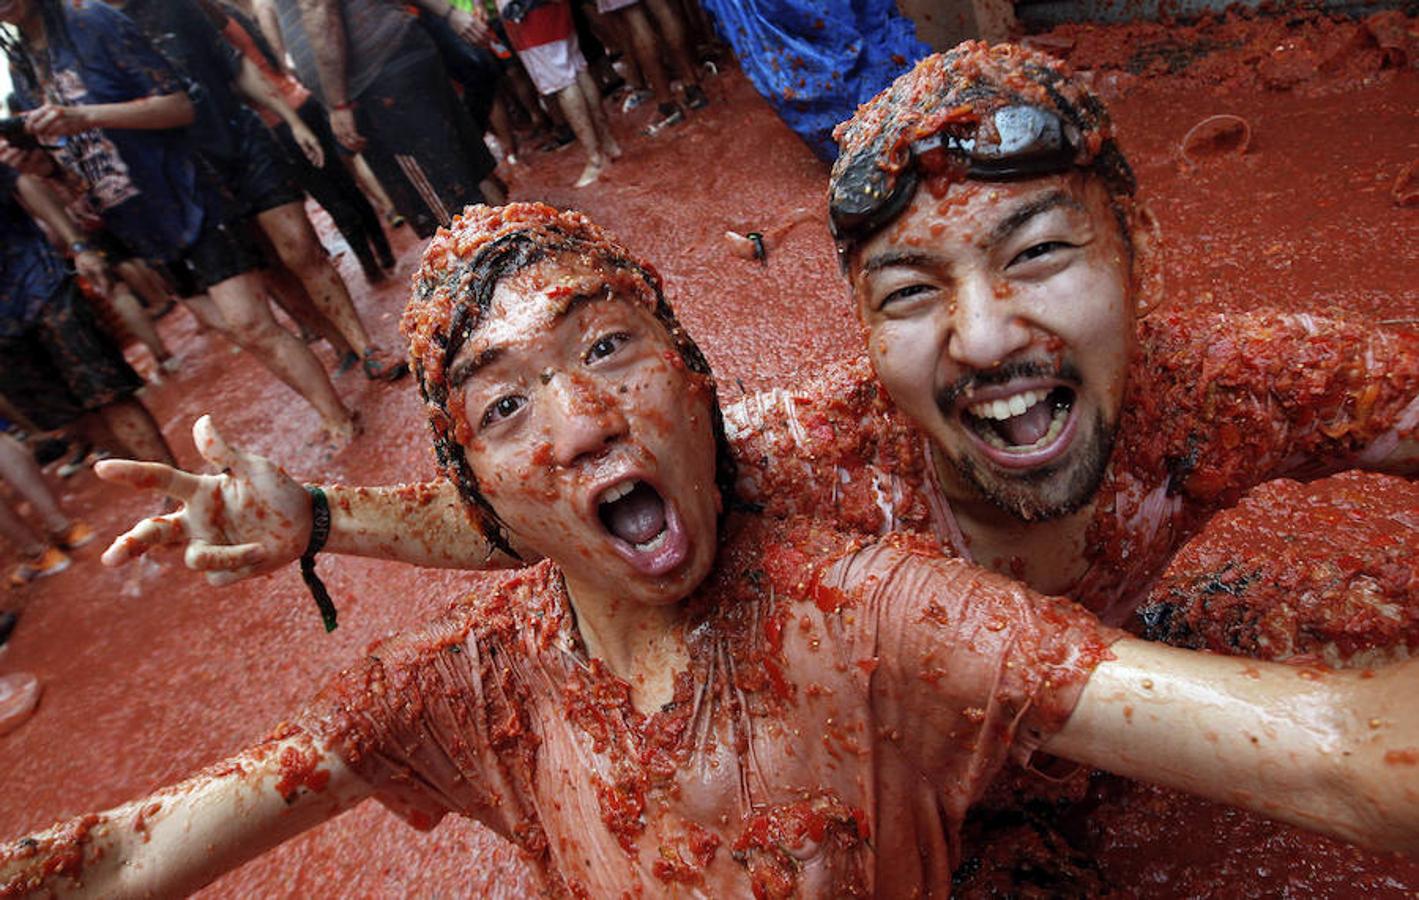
[181, 838]
[1334, 752]
[270, 21]
[326, 28]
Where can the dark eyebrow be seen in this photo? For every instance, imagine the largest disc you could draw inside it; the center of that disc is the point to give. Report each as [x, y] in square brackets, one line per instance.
[1036, 207]
[891, 258]
[465, 370]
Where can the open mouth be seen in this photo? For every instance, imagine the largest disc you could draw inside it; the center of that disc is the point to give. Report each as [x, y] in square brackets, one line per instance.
[1024, 428]
[645, 529]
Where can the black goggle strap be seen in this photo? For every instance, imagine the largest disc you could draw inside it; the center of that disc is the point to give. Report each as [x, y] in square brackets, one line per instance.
[1027, 142]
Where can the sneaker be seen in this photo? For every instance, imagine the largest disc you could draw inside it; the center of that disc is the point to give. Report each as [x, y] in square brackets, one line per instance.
[75, 536]
[51, 562]
[636, 99]
[695, 97]
[380, 366]
[670, 116]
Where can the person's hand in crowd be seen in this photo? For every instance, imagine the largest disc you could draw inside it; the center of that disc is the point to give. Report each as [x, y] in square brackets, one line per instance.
[93, 268]
[309, 143]
[470, 26]
[51, 121]
[342, 122]
[249, 519]
[26, 162]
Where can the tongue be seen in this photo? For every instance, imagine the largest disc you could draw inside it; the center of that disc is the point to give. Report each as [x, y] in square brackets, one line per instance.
[636, 517]
[1028, 427]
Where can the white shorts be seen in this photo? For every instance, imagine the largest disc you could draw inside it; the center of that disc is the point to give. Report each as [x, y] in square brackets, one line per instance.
[605, 6]
[553, 65]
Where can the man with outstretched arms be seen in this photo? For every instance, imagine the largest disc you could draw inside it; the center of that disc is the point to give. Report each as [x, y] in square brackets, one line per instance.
[1019, 406]
[685, 695]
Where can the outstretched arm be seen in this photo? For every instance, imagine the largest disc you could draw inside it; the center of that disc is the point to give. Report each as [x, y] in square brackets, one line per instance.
[181, 838]
[1334, 752]
[254, 518]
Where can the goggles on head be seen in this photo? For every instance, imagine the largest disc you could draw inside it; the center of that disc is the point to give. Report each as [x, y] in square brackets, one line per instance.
[1011, 142]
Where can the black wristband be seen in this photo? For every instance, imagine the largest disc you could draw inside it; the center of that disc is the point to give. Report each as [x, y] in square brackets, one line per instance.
[319, 533]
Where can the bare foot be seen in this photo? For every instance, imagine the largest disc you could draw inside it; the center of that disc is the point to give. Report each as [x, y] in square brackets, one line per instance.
[613, 149]
[342, 432]
[591, 173]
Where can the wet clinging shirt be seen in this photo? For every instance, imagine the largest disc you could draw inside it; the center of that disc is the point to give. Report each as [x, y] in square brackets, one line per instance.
[844, 704]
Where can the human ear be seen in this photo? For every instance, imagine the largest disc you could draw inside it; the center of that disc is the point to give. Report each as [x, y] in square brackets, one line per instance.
[1147, 279]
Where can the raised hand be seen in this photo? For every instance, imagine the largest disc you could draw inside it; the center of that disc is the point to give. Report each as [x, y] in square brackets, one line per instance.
[249, 519]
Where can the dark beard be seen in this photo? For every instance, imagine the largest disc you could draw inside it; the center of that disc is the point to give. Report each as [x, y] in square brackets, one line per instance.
[1034, 496]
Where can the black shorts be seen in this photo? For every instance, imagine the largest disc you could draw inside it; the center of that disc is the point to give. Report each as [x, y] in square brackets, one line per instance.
[221, 251]
[64, 365]
[262, 179]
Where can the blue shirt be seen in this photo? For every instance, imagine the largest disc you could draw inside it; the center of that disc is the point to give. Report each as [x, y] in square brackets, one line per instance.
[143, 183]
[30, 271]
[188, 39]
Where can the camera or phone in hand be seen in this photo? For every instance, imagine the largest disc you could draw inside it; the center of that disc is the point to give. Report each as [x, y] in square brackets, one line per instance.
[12, 129]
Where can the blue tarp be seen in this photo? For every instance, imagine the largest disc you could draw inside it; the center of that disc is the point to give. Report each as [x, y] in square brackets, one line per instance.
[816, 60]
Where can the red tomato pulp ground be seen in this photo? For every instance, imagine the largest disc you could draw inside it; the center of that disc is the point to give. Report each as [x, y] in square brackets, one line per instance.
[149, 674]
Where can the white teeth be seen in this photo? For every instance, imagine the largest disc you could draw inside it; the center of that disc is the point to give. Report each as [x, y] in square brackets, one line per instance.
[612, 494]
[1056, 425]
[655, 542]
[1006, 408]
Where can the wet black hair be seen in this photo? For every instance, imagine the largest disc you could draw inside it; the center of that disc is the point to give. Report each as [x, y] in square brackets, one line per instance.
[451, 298]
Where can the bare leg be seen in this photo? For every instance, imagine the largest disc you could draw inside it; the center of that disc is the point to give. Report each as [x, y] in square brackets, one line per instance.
[502, 127]
[521, 87]
[645, 50]
[365, 178]
[206, 313]
[20, 470]
[290, 295]
[673, 30]
[136, 429]
[135, 318]
[574, 105]
[14, 530]
[295, 241]
[148, 284]
[592, 93]
[251, 327]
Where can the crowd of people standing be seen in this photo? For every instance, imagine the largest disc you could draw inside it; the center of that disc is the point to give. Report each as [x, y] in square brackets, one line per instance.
[162, 150]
